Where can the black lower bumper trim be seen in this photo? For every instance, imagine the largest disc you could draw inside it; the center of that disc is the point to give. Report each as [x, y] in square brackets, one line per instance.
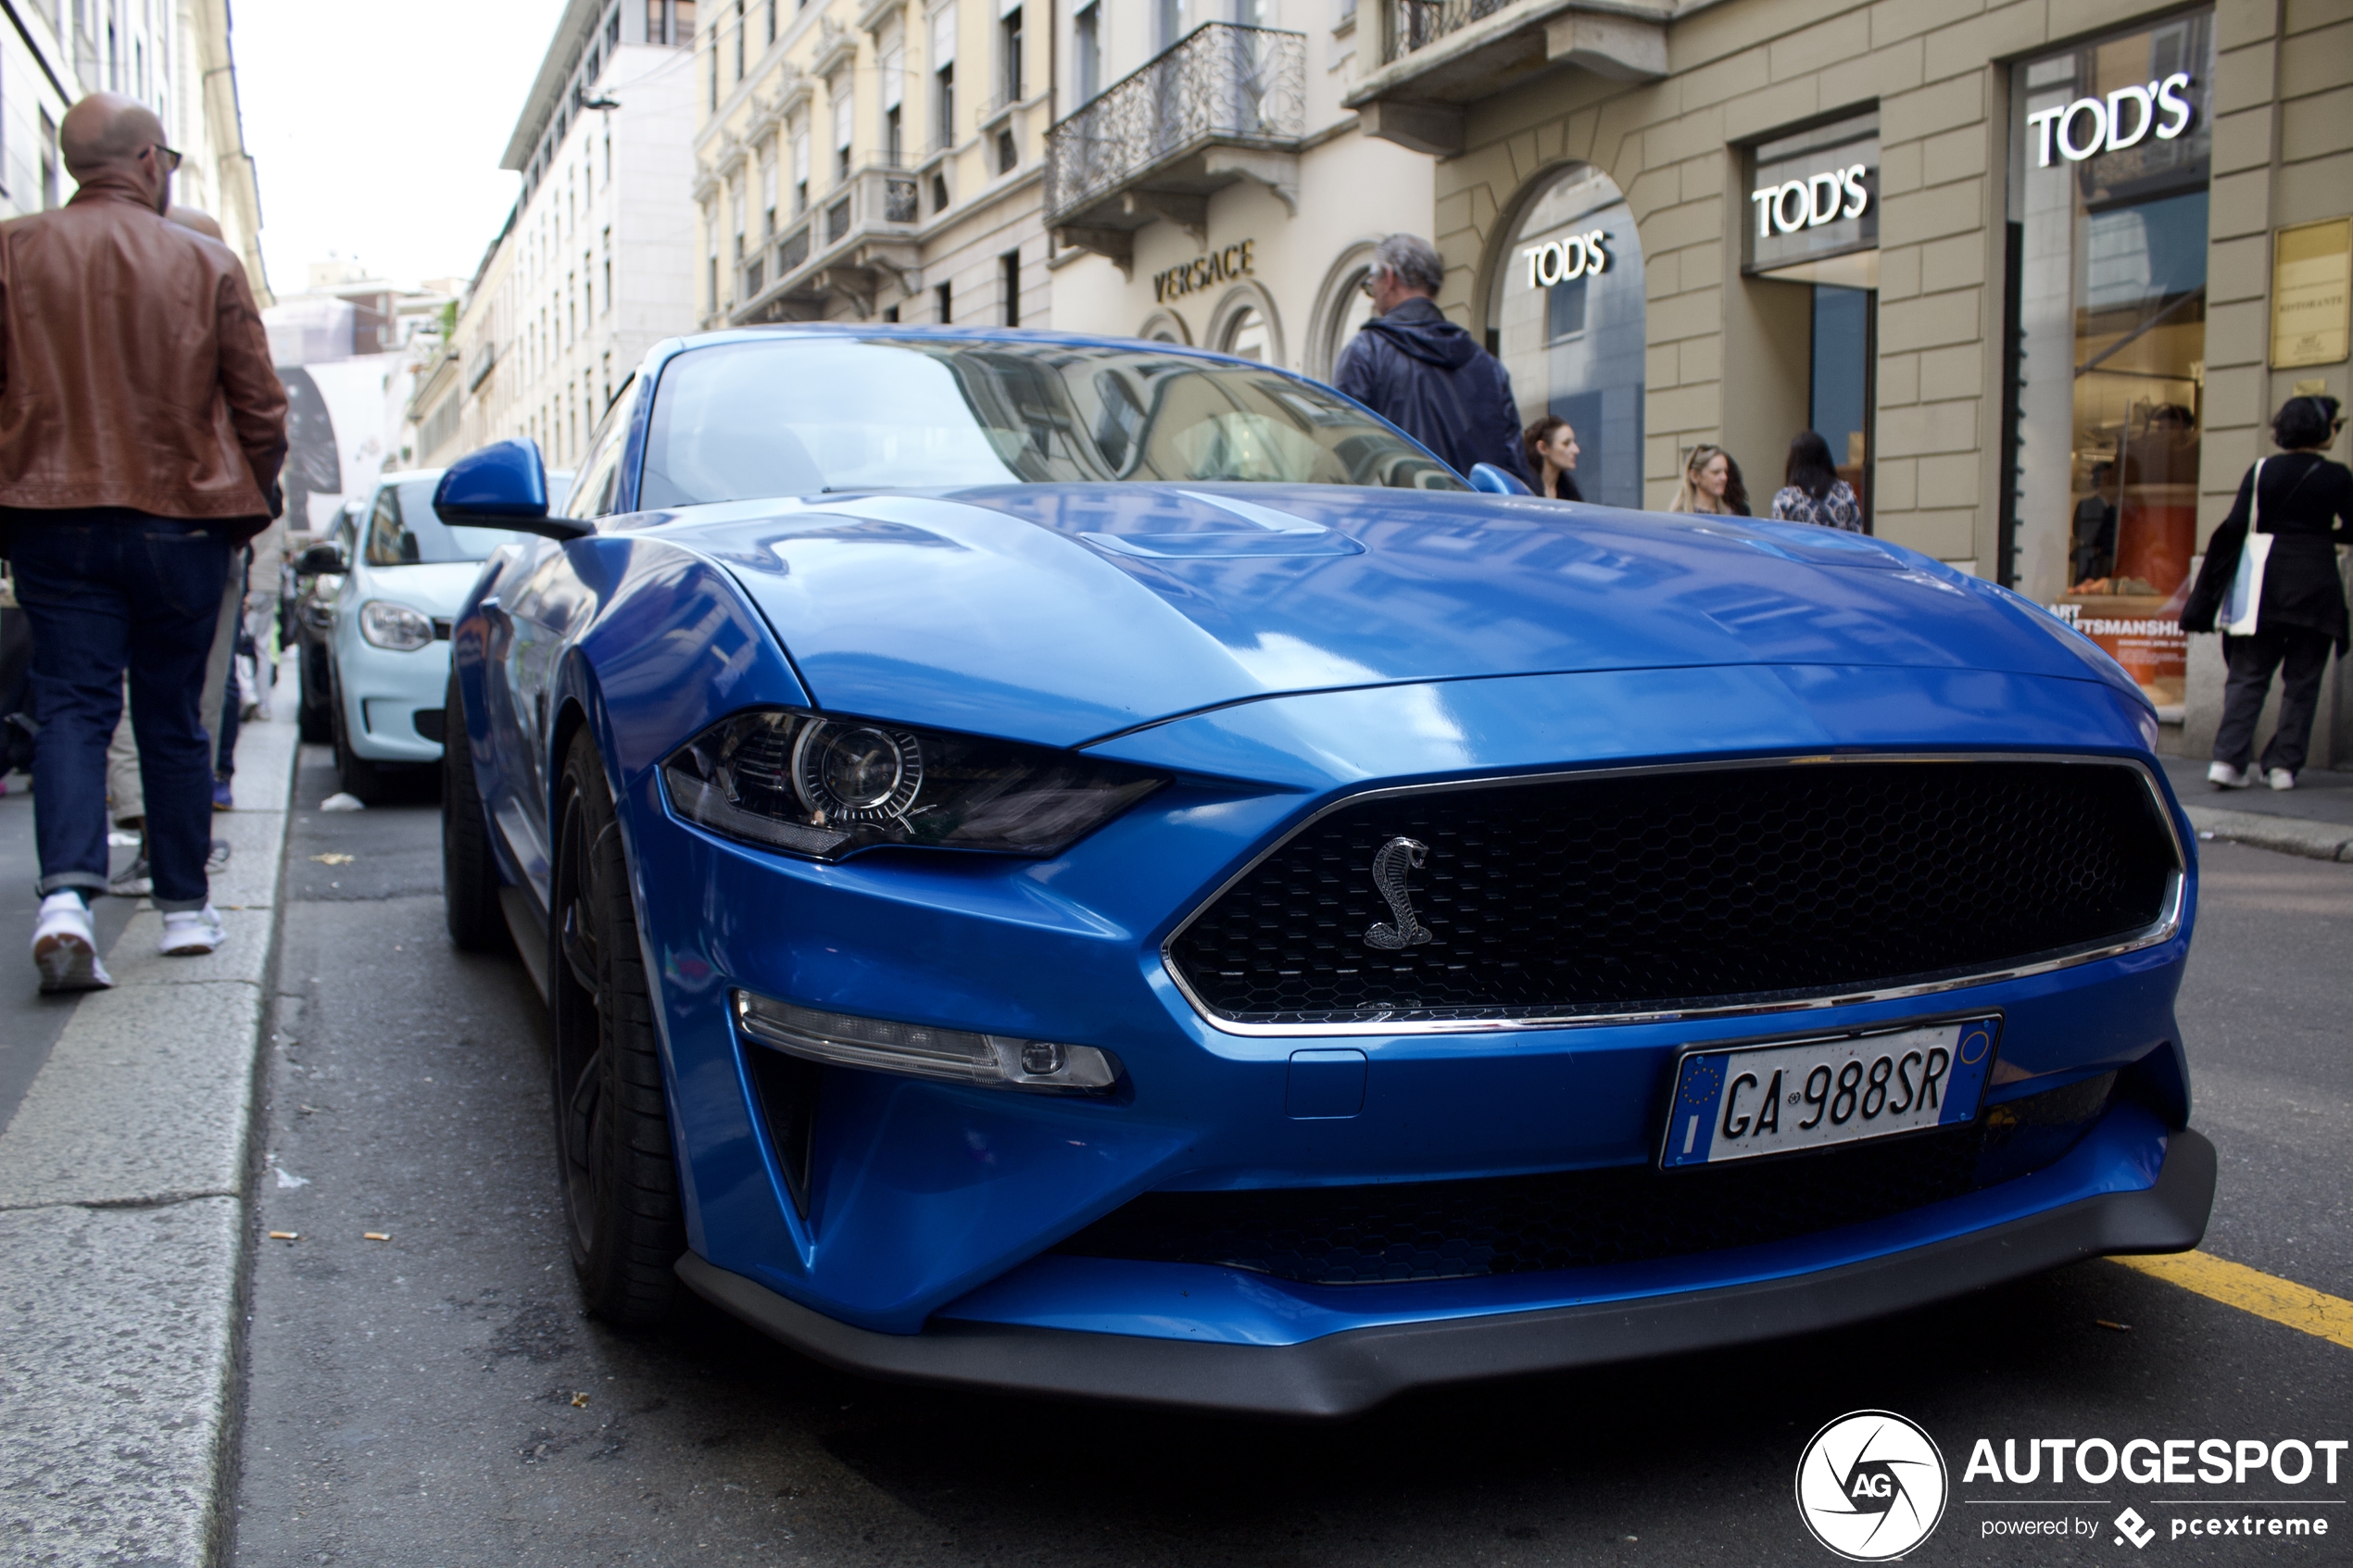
[1343, 1373]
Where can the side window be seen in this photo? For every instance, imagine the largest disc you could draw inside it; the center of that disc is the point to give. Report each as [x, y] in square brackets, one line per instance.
[592, 493]
[389, 543]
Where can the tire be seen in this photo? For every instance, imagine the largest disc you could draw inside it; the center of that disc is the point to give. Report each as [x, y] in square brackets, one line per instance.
[614, 1160]
[468, 876]
[311, 715]
[361, 778]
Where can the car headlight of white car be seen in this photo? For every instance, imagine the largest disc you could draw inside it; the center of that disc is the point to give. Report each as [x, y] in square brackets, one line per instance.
[397, 627]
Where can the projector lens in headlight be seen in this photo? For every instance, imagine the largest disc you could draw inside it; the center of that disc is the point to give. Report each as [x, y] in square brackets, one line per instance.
[995, 1061]
[826, 787]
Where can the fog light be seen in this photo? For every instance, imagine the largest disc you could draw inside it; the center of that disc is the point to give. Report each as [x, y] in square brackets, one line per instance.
[993, 1061]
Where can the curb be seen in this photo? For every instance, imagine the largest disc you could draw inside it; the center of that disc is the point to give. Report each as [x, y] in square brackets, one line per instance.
[2289, 835]
[124, 1202]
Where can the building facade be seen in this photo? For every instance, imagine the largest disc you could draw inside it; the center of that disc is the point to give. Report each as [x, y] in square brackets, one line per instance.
[879, 161]
[594, 264]
[174, 57]
[1209, 185]
[2039, 271]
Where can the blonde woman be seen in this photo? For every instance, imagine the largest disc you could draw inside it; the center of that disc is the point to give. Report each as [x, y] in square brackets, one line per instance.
[1707, 474]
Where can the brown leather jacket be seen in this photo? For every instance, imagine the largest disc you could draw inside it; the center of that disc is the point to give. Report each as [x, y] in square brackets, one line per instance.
[133, 368]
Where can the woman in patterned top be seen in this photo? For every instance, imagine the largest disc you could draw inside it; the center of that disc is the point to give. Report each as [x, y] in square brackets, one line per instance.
[1812, 491]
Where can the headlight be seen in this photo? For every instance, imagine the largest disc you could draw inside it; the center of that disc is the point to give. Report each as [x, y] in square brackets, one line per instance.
[827, 787]
[997, 1062]
[394, 626]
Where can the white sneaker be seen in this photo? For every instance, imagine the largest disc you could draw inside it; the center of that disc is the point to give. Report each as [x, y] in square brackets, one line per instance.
[188, 934]
[64, 948]
[2223, 776]
[2280, 778]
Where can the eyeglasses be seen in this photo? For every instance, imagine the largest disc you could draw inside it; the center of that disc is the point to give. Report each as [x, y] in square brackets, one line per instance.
[172, 156]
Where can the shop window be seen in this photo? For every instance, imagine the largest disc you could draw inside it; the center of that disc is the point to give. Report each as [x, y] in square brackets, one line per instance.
[1246, 336]
[2107, 303]
[1565, 315]
[1840, 395]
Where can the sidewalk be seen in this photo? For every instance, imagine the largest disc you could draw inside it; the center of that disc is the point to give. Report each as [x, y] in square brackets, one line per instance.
[123, 1205]
[2314, 819]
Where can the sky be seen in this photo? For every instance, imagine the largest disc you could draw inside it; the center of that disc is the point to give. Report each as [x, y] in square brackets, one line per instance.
[376, 127]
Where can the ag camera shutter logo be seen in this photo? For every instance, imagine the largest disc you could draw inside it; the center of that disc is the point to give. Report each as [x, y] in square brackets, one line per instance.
[1871, 1486]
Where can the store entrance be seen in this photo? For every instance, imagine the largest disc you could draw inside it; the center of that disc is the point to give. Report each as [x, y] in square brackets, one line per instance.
[1844, 381]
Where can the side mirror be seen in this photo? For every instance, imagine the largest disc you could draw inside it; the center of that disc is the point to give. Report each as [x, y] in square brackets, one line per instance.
[1497, 482]
[319, 560]
[504, 486]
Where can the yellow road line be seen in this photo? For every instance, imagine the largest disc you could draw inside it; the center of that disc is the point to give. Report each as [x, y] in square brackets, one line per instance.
[2251, 1290]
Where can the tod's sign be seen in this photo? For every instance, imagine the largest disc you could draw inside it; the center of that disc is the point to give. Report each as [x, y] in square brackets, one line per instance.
[2123, 118]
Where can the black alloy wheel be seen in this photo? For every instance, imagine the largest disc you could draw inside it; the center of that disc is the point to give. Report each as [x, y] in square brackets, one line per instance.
[469, 877]
[312, 713]
[612, 1125]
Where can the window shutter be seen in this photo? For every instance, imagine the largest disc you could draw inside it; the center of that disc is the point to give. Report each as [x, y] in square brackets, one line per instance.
[943, 37]
[894, 63]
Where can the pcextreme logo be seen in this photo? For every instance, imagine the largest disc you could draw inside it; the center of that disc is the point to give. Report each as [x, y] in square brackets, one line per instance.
[1871, 1486]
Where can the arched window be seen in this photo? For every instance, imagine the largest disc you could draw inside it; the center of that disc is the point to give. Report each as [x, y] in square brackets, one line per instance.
[1565, 313]
[1246, 334]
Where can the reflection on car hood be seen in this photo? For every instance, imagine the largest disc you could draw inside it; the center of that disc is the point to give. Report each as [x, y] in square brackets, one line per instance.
[1065, 613]
[438, 588]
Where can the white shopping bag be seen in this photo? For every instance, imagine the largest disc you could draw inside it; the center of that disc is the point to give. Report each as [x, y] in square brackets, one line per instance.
[2245, 601]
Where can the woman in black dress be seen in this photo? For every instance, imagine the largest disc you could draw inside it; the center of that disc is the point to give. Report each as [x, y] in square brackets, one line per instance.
[2307, 506]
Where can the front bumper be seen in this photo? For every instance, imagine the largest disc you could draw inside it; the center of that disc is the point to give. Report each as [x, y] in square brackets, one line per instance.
[1342, 1373]
[393, 698]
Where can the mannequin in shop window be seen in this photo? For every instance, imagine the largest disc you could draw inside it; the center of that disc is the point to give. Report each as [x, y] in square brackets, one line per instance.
[1811, 490]
[2094, 537]
[1552, 457]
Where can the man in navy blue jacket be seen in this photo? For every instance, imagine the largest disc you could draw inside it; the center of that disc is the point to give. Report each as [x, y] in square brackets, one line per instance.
[1426, 375]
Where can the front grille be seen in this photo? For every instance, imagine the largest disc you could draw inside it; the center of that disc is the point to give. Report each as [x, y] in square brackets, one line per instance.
[1580, 1219]
[1645, 892]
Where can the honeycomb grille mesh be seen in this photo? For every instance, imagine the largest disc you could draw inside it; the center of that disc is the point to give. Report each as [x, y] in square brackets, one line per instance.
[1635, 892]
[1580, 1219]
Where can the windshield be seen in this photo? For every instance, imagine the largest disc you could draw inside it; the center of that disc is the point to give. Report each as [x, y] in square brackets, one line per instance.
[745, 421]
[403, 530]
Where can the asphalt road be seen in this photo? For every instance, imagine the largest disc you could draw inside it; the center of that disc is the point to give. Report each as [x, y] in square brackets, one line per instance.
[438, 1398]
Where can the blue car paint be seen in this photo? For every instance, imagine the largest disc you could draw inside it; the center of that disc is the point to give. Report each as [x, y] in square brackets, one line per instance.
[1471, 636]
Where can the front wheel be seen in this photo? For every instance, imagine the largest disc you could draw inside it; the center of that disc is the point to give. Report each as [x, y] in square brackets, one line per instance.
[612, 1123]
[363, 780]
[311, 711]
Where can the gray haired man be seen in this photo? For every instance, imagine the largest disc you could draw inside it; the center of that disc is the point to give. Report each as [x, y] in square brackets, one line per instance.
[1423, 373]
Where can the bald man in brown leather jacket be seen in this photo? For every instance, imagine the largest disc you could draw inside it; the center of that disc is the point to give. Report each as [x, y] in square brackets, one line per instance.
[141, 428]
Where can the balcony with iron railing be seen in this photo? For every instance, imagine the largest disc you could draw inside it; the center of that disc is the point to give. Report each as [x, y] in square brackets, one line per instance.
[843, 245]
[1224, 103]
[1439, 56]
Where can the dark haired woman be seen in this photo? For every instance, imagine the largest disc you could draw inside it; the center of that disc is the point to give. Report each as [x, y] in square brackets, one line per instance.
[1552, 457]
[1811, 490]
[2305, 503]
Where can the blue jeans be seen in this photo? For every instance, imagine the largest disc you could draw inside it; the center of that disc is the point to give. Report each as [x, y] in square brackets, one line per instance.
[109, 589]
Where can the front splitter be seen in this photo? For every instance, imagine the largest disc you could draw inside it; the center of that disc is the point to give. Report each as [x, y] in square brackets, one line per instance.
[1343, 1373]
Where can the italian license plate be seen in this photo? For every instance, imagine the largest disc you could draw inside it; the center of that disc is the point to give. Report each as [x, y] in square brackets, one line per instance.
[1744, 1101]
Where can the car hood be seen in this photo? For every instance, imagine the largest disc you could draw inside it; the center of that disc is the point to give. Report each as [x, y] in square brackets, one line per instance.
[437, 588]
[1066, 613]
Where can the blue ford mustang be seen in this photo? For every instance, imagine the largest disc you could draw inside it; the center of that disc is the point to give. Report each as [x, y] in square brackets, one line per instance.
[1094, 868]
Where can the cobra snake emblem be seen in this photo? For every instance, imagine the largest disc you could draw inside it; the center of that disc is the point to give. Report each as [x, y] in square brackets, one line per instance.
[1391, 862]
